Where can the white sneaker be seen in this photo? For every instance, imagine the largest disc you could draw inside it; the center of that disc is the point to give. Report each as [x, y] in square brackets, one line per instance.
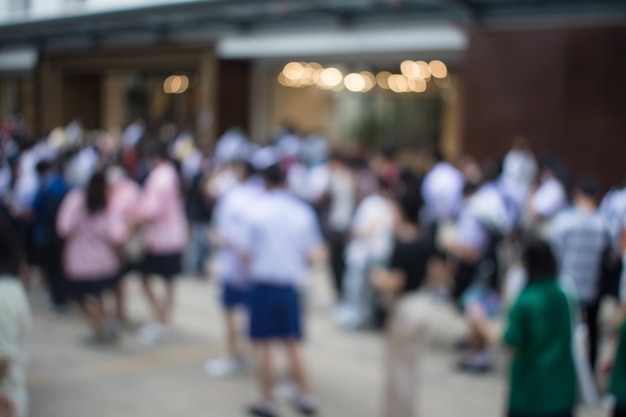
[151, 333]
[285, 390]
[223, 367]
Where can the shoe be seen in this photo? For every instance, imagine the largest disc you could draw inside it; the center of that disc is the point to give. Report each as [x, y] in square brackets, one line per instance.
[223, 367]
[262, 410]
[285, 390]
[306, 406]
[151, 333]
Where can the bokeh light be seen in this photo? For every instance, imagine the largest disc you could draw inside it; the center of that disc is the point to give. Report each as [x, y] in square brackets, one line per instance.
[354, 82]
[438, 69]
[331, 77]
[382, 78]
[293, 70]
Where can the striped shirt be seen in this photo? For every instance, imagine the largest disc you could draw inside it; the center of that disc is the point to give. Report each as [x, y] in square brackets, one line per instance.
[580, 240]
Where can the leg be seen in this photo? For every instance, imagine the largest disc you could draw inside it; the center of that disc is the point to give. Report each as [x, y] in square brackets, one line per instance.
[93, 315]
[232, 333]
[265, 371]
[591, 313]
[167, 308]
[120, 302]
[152, 298]
[298, 367]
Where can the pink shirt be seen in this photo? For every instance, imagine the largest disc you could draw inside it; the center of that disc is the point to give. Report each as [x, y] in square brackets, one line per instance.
[89, 252]
[160, 208]
[123, 200]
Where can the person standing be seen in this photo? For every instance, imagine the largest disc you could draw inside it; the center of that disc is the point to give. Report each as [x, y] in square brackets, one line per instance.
[160, 211]
[14, 326]
[540, 331]
[581, 241]
[282, 236]
[231, 215]
[48, 243]
[90, 256]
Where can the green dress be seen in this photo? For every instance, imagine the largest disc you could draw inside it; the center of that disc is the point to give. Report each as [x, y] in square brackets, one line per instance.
[543, 376]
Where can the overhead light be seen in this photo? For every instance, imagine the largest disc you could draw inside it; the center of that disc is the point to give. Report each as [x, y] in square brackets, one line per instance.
[382, 78]
[410, 69]
[354, 82]
[293, 70]
[176, 84]
[416, 85]
[331, 77]
[438, 69]
[424, 70]
[398, 83]
[370, 80]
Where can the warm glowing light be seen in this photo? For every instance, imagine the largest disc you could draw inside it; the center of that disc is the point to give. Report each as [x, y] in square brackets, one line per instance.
[383, 79]
[370, 80]
[176, 84]
[417, 85]
[354, 82]
[424, 70]
[438, 69]
[398, 83]
[410, 69]
[293, 70]
[286, 81]
[331, 77]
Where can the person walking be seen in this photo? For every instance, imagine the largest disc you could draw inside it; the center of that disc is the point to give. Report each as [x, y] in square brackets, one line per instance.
[231, 214]
[282, 236]
[581, 241]
[160, 211]
[91, 260]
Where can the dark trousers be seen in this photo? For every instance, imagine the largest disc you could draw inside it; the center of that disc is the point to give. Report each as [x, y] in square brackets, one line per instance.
[337, 246]
[51, 263]
[590, 314]
[619, 411]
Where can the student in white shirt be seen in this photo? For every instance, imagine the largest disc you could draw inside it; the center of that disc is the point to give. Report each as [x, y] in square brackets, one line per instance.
[231, 214]
[14, 326]
[282, 236]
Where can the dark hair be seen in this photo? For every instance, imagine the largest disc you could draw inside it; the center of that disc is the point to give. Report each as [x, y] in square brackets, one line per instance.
[274, 175]
[491, 170]
[97, 193]
[437, 155]
[10, 250]
[247, 167]
[538, 260]
[408, 210]
[588, 187]
[42, 167]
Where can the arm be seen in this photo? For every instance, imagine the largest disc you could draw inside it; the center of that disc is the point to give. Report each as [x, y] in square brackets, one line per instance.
[71, 213]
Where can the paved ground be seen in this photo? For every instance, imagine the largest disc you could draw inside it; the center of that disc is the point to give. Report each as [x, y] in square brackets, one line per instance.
[70, 379]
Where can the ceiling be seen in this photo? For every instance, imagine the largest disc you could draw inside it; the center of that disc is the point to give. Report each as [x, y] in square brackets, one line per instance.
[211, 19]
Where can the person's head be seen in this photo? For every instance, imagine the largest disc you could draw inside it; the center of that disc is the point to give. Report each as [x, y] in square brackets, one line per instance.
[538, 260]
[405, 213]
[43, 167]
[243, 170]
[520, 143]
[437, 272]
[96, 198]
[10, 251]
[274, 176]
[586, 191]
[490, 171]
[156, 152]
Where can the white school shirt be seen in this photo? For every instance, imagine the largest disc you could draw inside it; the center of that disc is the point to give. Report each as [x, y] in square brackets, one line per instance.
[549, 198]
[442, 191]
[232, 213]
[14, 329]
[373, 226]
[282, 233]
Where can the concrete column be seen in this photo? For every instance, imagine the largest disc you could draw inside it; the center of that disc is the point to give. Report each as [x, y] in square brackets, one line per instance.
[113, 105]
[451, 122]
[51, 99]
[207, 98]
[260, 99]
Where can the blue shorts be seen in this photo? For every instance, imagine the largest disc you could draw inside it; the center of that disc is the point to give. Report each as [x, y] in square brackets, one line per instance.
[234, 296]
[275, 313]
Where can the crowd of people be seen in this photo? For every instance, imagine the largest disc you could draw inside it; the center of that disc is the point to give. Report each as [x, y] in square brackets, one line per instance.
[83, 211]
